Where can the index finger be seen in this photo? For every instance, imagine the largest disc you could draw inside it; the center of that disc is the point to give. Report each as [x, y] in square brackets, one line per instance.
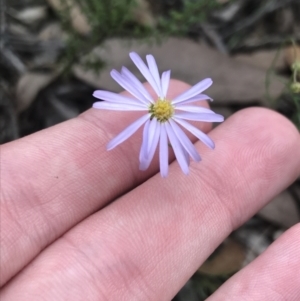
[55, 178]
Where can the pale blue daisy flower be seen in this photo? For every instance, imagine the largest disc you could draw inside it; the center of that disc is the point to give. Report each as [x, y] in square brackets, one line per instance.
[164, 118]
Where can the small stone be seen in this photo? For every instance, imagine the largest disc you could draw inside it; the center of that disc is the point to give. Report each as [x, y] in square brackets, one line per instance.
[281, 211]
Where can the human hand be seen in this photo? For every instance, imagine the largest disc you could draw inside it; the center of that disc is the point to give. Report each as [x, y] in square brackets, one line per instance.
[62, 237]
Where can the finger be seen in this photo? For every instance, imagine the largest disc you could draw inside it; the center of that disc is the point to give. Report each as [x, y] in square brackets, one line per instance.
[55, 178]
[274, 275]
[147, 244]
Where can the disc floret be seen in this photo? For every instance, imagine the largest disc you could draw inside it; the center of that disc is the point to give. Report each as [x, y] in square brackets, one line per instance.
[162, 110]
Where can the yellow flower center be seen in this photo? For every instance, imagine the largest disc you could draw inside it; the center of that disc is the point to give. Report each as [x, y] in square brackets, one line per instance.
[162, 110]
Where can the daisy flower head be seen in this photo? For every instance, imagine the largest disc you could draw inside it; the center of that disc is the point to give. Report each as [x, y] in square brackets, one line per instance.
[163, 119]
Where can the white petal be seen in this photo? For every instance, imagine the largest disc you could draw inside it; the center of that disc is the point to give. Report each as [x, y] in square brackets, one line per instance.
[193, 91]
[163, 152]
[196, 132]
[128, 85]
[154, 71]
[104, 105]
[194, 109]
[129, 131]
[115, 97]
[177, 148]
[125, 72]
[144, 70]
[165, 81]
[185, 141]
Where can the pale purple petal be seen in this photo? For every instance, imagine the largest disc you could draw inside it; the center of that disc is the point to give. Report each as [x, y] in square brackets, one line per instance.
[163, 152]
[144, 147]
[199, 134]
[185, 141]
[129, 131]
[105, 105]
[205, 117]
[144, 70]
[125, 72]
[145, 162]
[128, 85]
[154, 71]
[165, 81]
[115, 97]
[195, 109]
[198, 97]
[186, 155]
[177, 148]
[152, 129]
[197, 89]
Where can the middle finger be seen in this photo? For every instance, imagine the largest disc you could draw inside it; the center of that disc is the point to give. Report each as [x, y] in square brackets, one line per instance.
[148, 243]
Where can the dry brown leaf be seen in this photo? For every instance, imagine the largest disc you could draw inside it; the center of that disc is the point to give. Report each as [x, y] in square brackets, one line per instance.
[229, 258]
[191, 62]
[79, 20]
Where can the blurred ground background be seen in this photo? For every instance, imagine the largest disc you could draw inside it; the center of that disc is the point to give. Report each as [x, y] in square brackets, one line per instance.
[55, 53]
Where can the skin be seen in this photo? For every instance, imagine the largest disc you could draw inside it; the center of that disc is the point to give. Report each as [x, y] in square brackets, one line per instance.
[81, 223]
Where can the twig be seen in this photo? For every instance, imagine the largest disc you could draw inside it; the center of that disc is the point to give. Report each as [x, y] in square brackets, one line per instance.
[266, 42]
[270, 74]
[270, 6]
[214, 37]
[2, 22]
[10, 59]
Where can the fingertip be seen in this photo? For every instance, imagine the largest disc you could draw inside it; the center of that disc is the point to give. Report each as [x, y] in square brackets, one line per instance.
[278, 132]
